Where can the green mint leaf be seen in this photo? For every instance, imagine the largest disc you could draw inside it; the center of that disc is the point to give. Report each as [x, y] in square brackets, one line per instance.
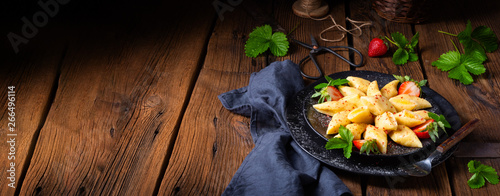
[400, 78]
[434, 116]
[400, 39]
[255, 46]
[400, 56]
[320, 86]
[413, 57]
[279, 44]
[339, 82]
[476, 181]
[336, 143]
[414, 40]
[486, 38]
[447, 61]
[328, 79]
[316, 94]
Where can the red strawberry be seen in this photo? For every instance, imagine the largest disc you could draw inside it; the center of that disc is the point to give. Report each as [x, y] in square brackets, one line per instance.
[334, 93]
[377, 47]
[421, 131]
[410, 88]
[358, 143]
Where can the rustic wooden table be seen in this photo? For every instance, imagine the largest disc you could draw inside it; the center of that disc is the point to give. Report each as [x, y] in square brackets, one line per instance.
[121, 98]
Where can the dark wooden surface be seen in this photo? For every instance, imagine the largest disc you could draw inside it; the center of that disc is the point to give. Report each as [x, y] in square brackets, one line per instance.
[120, 98]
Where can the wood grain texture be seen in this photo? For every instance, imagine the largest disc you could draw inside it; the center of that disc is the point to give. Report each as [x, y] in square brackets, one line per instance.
[121, 93]
[361, 11]
[329, 63]
[33, 73]
[436, 183]
[460, 174]
[212, 141]
[480, 99]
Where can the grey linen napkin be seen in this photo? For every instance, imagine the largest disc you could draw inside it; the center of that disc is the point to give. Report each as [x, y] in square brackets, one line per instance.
[277, 165]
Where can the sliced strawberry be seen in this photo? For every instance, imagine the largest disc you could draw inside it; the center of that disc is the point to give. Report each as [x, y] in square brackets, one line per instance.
[358, 143]
[421, 131]
[410, 88]
[334, 93]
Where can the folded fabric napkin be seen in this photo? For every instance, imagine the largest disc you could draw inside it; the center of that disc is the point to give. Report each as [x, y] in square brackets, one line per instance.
[277, 165]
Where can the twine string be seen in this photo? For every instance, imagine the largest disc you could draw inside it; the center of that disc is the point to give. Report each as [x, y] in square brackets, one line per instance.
[314, 4]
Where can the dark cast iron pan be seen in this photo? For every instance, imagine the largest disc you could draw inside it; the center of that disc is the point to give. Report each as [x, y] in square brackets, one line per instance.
[312, 140]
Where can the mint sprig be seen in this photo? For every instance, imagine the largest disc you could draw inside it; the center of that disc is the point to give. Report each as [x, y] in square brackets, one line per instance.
[439, 122]
[322, 92]
[481, 172]
[406, 49]
[345, 142]
[262, 38]
[369, 146]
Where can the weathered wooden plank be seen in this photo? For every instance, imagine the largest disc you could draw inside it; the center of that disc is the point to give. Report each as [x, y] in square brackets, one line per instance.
[213, 142]
[122, 91]
[460, 174]
[478, 100]
[435, 184]
[33, 73]
[329, 63]
[361, 11]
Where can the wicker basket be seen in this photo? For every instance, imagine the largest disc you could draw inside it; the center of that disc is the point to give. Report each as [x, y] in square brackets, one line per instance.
[403, 11]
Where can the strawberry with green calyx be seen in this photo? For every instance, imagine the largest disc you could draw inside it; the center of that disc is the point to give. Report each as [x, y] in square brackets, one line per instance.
[410, 86]
[429, 129]
[377, 47]
[329, 91]
[366, 146]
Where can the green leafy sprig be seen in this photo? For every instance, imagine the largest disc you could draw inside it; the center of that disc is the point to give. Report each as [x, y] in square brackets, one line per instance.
[475, 43]
[262, 38]
[344, 142]
[321, 89]
[406, 49]
[408, 78]
[369, 146]
[439, 122]
[481, 172]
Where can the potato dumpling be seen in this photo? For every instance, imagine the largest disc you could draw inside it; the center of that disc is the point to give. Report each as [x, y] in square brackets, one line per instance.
[361, 115]
[408, 118]
[339, 118]
[358, 83]
[357, 129]
[390, 89]
[377, 104]
[347, 90]
[422, 113]
[373, 132]
[332, 107]
[352, 100]
[386, 121]
[401, 103]
[405, 137]
[421, 103]
[373, 89]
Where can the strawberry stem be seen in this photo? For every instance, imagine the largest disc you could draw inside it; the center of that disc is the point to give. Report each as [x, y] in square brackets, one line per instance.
[448, 33]
[454, 45]
[390, 41]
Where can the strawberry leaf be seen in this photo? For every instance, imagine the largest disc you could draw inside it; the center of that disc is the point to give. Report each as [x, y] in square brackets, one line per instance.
[486, 37]
[262, 38]
[481, 172]
[400, 57]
